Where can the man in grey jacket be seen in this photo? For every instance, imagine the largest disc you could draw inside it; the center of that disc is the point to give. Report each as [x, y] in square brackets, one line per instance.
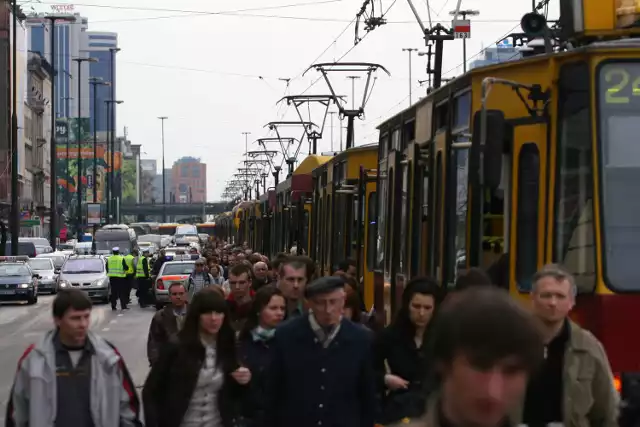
[72, 377]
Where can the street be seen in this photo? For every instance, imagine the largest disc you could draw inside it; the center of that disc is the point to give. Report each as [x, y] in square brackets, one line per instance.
[22, 325]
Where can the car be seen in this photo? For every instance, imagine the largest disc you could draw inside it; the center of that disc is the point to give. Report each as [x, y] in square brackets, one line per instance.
[87, 273]
[147, 245]
[17, 281]
[171, 272]
[47, 270]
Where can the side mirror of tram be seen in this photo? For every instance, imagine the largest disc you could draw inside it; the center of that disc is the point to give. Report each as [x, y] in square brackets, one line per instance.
[498, 140]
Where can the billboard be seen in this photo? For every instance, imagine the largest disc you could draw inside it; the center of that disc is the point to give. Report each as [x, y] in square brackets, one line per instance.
[68, 133]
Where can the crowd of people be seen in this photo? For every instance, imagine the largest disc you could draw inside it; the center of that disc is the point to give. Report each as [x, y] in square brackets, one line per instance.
[253, 342]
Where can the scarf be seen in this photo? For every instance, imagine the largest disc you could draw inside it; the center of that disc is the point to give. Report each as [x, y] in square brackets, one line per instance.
[261, 334]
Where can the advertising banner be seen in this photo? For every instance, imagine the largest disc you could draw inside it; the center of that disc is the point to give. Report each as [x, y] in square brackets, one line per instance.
[68, 133]
[93, 214]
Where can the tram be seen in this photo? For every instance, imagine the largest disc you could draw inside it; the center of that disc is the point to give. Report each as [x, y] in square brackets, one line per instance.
[507, 167]
[516, 165]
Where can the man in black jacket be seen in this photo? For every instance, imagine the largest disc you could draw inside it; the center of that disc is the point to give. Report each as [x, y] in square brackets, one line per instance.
[321, 372]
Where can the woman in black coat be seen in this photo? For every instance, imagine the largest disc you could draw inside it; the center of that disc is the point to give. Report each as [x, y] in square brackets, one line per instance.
[402, 353]
[198, 381]
[266, 313]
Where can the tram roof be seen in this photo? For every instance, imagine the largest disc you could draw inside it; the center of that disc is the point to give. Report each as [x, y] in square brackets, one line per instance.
[310, 163]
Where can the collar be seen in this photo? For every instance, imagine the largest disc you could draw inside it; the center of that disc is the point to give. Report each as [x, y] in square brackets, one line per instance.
[179, 312]
[231, 297]
[59, 347]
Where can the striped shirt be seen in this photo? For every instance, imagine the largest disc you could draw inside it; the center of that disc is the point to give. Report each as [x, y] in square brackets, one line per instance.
[203, 408]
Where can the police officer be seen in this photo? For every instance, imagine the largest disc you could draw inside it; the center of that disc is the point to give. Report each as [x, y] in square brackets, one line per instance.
[130, 275]
[116, 270]
[143, 277]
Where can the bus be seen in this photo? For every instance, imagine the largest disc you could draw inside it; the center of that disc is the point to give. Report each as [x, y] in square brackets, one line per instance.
[207, 228]
[167, 229]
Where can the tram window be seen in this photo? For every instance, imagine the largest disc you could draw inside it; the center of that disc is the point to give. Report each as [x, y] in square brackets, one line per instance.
[462, 173]
[305, 230]
[527, 215]
[328, 240]
[404, 199]
[371, 230]
[437, 222]
[574, 245]
[381, 227]
[391, 195]
[320, 227]
[337, 240]
[462, 110]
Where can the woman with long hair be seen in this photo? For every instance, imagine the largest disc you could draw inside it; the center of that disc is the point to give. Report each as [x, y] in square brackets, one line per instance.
[267, 311]
[198, 381]
[402, 352]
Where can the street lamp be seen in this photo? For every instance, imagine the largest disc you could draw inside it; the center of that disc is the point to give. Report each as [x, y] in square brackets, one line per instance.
[112, 122]
[79, 138]
[53, 226]
[66, 99]
[111, 148]
[164, 190]
[95, 82]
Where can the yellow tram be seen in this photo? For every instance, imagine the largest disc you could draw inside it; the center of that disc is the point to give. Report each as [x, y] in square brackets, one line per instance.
[515, 165]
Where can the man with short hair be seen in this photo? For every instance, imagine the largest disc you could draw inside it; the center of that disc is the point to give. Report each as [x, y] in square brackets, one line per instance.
[348, 267]
[260, 278]
[143, 278]
[117, 272]
[321, 372]
[72, 377]
[292, 281]
[485, 348]
[167, 322]
[575, 385]
[241, 297]
[200, 278]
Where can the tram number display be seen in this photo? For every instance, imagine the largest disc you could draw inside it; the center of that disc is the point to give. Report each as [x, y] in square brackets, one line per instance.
[620, 83]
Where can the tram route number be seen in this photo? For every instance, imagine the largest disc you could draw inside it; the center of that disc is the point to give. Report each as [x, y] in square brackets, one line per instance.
[621, 84]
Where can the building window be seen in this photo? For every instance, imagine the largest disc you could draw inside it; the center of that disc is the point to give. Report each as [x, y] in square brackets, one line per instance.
[184, 171]
[195, 171]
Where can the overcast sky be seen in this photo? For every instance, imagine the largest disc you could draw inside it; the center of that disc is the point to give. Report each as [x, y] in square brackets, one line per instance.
[216, 75]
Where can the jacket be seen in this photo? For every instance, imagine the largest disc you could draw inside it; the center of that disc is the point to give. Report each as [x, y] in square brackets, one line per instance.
[163, 328]
[589, 396]
[309, 385]
[168, 389]
[32, 402]
[256, 356]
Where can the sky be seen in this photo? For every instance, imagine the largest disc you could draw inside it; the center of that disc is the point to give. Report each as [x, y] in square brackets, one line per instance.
[217, 68]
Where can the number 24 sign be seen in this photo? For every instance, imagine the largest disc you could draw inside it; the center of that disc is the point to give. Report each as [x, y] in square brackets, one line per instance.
[621, 84]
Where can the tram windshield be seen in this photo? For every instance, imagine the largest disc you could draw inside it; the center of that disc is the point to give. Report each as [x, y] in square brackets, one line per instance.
[619, 127]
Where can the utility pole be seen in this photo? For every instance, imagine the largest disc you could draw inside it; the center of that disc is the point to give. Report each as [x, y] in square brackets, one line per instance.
[112, 122]
[95, 82]
[464, 14]
[410, 50]
[79, 137]
[53, 219]
[111, 208]
[14, 220]
[246, 149]
[164, 179]
[353, 90]
[68, 195]
[332, 113]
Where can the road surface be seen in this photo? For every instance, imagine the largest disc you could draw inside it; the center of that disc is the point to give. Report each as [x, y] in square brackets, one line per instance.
[22, 325]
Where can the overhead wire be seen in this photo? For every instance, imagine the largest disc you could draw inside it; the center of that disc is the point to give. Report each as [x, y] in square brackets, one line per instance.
[403, 100]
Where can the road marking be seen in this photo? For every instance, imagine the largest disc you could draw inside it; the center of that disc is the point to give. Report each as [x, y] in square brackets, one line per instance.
[120, 315]
[105, 329]
[113, 321]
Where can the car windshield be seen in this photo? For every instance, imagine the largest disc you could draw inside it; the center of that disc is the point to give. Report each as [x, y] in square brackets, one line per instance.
[40, 264]
[178, 268]
[58, 261]
[83, 266]
[14, 270]
[108, 245]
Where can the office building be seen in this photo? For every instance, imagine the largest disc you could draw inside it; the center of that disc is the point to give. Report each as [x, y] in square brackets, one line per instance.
[503, 52]
[70, 40]
[189, 180]
[102, 46]
[157, 186]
